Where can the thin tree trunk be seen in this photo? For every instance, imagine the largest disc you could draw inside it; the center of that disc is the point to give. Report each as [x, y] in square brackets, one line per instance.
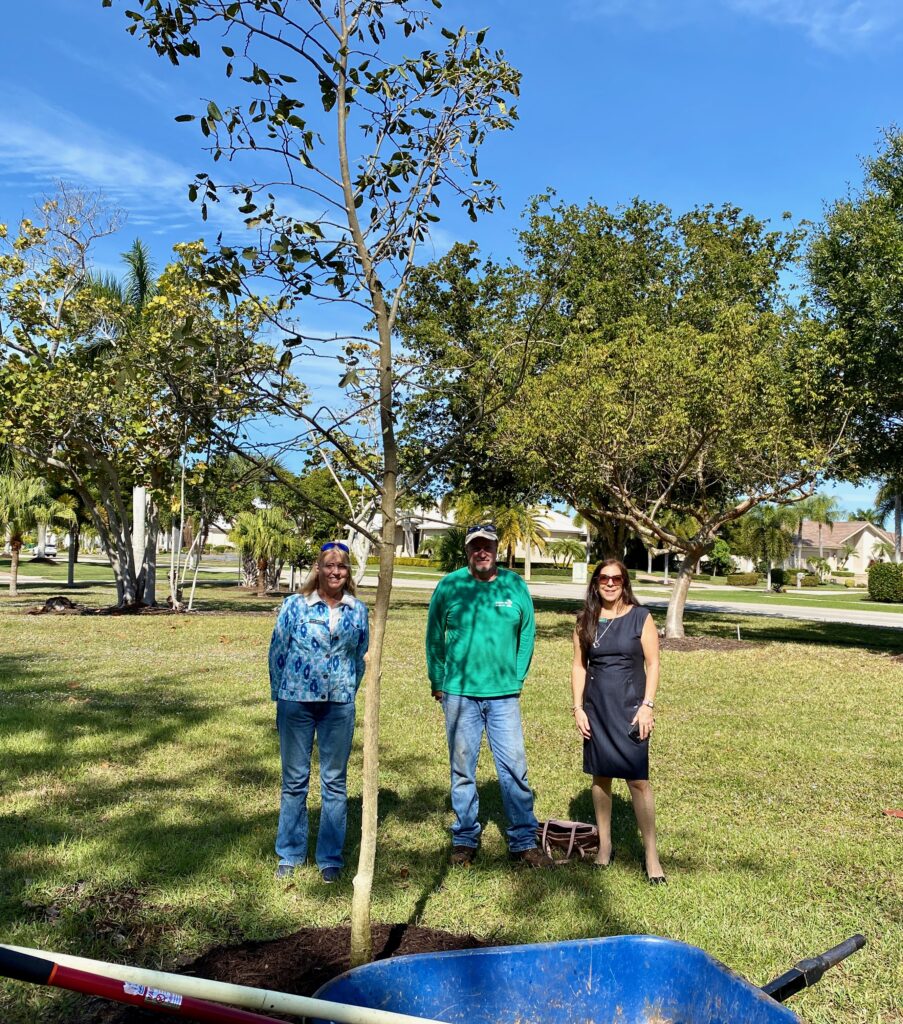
[667, 564]
[649, 560]
[361, 937]
[14, 570]
[898, 524]
[139, 535]
[674, 618]
[768, 579]
[821, 546]
[41, 545]
[74, 540]
[150, 553]
[261, 577]
[527, 564]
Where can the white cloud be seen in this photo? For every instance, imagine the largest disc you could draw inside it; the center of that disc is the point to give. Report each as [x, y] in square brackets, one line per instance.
[829, 24]
[832, 24]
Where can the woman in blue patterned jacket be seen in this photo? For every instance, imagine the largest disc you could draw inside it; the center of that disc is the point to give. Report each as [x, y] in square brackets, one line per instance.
[316, 666]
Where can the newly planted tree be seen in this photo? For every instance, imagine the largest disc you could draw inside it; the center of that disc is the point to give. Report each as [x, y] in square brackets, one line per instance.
[350, 146]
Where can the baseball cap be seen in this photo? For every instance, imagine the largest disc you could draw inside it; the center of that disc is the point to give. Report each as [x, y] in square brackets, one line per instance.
[486, 530]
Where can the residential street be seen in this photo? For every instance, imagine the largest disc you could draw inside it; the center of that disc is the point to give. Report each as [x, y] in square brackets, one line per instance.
[575, 591]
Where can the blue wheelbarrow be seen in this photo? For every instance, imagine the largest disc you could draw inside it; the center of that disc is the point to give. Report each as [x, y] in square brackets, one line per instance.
[625, 979]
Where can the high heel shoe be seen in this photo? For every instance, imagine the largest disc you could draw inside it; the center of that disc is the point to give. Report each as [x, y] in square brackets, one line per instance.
[607, 864]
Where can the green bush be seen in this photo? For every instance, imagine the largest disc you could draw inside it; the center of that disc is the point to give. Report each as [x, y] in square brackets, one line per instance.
[842, 572]
[886, 581]
[703, 577]
[742, 579]
[780, 577]
[810, 580]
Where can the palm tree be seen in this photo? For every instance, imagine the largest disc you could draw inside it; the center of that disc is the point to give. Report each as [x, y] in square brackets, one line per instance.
[823, 510]
[449, 549]
[267, 536]
[767, 534]
[875, 516]
[24, 505]
[890, 500]
[568, 550]
[520, 524]
[129, 296]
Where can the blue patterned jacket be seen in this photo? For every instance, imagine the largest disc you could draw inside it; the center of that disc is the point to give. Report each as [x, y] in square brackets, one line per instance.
[309, 663]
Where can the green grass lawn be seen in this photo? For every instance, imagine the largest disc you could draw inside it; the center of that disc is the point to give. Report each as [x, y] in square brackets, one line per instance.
[139, 787]
[857, 600]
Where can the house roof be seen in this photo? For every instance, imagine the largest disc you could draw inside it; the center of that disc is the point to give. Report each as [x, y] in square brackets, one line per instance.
[834, 536]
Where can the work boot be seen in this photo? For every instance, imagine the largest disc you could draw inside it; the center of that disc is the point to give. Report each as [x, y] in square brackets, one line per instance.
[462, 856]
[532, 858]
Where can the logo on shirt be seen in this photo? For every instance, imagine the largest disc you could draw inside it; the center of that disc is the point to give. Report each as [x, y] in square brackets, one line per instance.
[504, 604]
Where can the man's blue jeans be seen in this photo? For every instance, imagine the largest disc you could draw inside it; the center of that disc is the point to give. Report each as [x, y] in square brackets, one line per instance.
[466, 718]
[333, 725]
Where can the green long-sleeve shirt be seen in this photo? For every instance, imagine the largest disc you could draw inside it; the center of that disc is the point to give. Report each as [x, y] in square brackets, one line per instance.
[479, 636]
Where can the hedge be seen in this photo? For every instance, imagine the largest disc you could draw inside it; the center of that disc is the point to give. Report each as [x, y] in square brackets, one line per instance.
[703, 577]
[886, 582]
[809, 580]
[742, 579]
[405, 560]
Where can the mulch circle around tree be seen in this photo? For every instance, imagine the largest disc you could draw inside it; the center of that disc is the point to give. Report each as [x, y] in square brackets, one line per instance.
[703, 643]
[299, 963]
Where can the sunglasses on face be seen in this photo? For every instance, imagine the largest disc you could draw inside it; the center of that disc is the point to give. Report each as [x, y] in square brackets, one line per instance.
[611, 581]
[329, 545]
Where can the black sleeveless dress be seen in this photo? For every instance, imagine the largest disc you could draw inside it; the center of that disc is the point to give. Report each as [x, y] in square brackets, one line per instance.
[615, 687]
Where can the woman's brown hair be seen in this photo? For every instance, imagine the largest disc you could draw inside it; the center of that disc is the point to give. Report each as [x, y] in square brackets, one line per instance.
[588, 617]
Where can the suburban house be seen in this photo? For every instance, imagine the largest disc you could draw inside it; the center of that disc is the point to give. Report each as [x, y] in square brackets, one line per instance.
[851, 546]
[422, 524]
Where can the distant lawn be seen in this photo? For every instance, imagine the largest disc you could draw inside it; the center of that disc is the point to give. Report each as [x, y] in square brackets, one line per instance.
[821, 598]
[139, 791]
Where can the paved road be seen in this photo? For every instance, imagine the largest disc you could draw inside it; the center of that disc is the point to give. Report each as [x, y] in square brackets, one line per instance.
[575, 591]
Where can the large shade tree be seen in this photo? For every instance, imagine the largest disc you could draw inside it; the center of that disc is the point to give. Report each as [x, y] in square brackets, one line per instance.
[678, 387]
[99, 406]
[854, 263]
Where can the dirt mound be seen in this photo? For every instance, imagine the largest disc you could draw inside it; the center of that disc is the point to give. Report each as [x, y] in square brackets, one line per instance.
[299, 963]
[59, 605]
[703, 643]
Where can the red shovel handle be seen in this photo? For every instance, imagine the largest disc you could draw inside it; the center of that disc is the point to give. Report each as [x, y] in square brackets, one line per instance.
[23, 967]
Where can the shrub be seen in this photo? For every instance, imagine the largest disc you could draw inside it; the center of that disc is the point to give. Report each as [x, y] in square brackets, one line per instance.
[404, 560]
[779, 578]
[843, 572]
[742, 579]
[810, 580]
[703, 577]
[886, 581]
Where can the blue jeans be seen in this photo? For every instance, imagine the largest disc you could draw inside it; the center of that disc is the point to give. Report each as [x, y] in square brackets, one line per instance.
[333, 725]
[466, 718]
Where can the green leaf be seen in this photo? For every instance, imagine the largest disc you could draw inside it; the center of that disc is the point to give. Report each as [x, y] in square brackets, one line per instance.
[213, 112]
[185, 117]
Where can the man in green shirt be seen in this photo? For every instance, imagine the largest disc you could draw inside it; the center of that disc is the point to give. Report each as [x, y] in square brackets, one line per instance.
[479, 643]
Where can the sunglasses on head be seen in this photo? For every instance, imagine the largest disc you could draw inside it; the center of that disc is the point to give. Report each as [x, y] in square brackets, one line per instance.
[329, 545]
[610, 581]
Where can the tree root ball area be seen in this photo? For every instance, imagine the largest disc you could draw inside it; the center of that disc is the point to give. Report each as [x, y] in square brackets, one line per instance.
[299, 963]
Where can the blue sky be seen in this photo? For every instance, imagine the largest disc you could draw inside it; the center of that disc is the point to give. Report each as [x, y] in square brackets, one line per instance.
[768, 104]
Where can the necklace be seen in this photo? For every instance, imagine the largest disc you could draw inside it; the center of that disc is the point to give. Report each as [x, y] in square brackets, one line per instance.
[608, 623]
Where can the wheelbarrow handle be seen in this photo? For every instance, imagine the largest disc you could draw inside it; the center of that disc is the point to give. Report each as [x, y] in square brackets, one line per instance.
[807, 972]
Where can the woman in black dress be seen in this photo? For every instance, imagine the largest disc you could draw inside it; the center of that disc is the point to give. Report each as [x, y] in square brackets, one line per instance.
[614, 678]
